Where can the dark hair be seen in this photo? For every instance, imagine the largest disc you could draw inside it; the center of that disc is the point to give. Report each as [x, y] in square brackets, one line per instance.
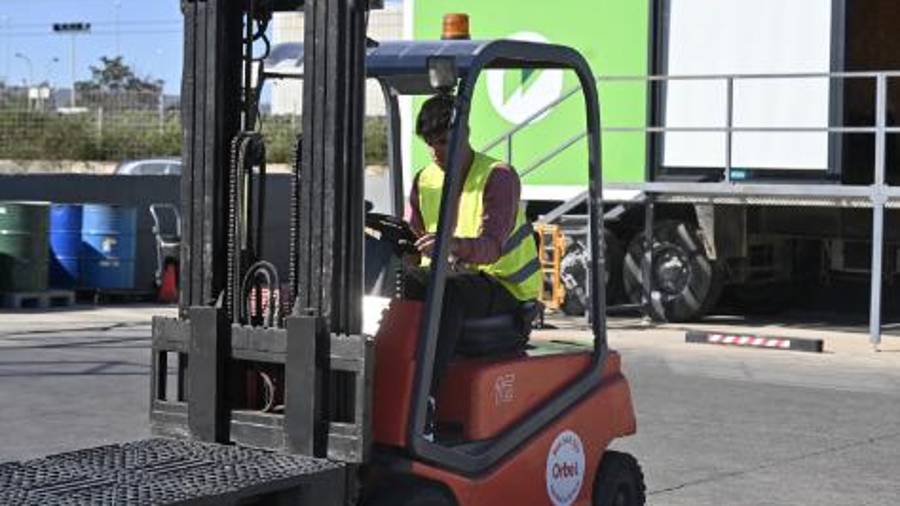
[435, 115]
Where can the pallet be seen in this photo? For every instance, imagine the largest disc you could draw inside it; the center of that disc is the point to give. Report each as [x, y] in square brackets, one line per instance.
[167, 471]
[37, 300]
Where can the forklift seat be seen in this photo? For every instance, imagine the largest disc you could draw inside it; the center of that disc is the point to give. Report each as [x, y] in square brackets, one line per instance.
[498, 334]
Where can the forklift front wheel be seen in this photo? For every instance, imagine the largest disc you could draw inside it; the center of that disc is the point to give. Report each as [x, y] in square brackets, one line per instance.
[619, 482]
[410, 493]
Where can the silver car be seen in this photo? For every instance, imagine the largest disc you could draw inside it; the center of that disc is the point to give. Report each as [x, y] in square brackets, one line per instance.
[150, 167]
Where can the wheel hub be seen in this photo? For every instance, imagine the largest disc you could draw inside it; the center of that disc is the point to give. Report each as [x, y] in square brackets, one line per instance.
[671, 269]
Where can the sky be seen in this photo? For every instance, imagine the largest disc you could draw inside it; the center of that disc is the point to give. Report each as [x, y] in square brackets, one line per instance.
[149, 38]
[148, 33]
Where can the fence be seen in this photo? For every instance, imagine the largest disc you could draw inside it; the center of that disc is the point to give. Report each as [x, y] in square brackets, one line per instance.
[103, 126]
[119, 126]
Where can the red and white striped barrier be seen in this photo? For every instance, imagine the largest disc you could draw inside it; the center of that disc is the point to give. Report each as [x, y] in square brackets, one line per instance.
[752, 341]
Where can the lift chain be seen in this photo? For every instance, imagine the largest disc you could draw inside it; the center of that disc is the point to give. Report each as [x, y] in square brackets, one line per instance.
[244, 248]
[295, 226]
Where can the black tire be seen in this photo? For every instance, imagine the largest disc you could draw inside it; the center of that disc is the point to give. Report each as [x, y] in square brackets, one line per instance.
[576, 259]
[619, 482]
[686, 283]
[410, 493]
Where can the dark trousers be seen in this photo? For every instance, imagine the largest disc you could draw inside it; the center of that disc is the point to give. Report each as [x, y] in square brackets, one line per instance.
[467, 295]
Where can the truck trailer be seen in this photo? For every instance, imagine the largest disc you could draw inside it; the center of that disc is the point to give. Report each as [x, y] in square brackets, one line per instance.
[752, 140]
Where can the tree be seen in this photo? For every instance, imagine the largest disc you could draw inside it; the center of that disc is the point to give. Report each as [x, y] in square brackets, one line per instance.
[113, 77]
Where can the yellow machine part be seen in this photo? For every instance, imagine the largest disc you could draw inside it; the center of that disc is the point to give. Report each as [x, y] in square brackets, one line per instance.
[551, 248]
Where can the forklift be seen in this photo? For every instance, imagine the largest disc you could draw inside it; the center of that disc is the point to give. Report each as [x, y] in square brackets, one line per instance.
[527, 424]
[284, 369]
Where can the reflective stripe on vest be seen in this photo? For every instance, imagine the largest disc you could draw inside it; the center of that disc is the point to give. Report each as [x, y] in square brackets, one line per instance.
[518, 268]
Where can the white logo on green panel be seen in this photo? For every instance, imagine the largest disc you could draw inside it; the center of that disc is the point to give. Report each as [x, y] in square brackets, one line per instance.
[518, 94]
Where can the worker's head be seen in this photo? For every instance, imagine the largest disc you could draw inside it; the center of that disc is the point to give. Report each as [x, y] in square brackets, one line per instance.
[433, 127]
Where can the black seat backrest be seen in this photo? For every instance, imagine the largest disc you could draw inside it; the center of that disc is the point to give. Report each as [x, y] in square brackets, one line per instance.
[498, 334]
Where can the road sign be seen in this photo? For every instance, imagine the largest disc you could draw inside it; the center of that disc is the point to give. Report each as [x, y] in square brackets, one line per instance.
[71, 27]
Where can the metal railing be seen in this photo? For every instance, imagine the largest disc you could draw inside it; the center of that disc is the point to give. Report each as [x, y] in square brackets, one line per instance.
[728, 129]
[878, 194]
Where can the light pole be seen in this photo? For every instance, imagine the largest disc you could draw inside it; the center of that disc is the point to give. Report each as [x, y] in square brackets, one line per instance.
[73, 29]
[6, 40]
[47, 69]
[118, 5]
[30, 68]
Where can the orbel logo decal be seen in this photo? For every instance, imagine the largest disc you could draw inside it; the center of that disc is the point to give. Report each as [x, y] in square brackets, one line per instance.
[565, 468]
[517, 94]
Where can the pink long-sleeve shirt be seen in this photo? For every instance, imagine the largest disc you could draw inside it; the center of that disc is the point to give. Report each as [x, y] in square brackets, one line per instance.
[501, 201]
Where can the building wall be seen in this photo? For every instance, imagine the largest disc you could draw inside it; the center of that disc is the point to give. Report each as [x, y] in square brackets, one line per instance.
[287, 96]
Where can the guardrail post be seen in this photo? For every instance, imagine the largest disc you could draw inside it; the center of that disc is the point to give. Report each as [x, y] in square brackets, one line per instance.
[647, 259]
[729, 124]
[878, 202]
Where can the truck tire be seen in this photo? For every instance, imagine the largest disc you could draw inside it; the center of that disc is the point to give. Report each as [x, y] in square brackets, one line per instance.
[619, 482]
[686, 282]
[574, 271]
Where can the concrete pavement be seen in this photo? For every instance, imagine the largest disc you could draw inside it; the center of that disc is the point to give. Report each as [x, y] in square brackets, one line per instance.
[717, 425]
[736, 426]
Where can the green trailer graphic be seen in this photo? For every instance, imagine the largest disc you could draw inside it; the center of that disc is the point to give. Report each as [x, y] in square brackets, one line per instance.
[605, 33]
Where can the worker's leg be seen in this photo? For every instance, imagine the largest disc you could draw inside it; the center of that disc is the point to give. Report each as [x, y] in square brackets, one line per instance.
[466, 296]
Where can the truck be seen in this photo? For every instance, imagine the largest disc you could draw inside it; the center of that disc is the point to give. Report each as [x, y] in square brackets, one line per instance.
[748, 147]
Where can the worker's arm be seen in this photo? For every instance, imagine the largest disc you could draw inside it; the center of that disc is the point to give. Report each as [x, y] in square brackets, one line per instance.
[415, 213]
[501, 202]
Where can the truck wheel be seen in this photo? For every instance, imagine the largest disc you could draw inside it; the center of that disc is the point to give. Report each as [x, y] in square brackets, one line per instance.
[619, 481]
[686, 283]
[574, 271]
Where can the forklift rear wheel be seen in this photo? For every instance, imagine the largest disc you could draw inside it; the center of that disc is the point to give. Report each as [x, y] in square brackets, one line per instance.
[686, 282]
[620, 481]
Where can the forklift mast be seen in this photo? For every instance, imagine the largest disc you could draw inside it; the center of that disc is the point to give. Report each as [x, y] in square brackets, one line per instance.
[220, 104]
[228, 343]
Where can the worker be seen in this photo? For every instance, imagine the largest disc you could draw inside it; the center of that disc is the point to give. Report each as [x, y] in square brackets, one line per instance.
[494, 263]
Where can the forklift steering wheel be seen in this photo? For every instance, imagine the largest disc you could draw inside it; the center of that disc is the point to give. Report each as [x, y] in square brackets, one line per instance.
[394, 230]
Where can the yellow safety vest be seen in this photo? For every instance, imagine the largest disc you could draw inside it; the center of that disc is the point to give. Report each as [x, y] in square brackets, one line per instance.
[518, 268]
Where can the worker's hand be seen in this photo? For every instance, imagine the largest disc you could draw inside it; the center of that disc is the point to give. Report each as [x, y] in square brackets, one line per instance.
[425, 244]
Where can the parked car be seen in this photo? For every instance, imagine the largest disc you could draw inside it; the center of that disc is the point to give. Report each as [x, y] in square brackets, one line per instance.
[150, 167]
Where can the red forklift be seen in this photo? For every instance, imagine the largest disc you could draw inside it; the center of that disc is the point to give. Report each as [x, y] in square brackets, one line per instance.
[286, 400]
[522, 423]
[527, 422]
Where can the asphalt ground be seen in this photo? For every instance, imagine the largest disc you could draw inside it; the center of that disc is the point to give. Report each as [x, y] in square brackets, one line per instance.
[735, 426]
[716, 425]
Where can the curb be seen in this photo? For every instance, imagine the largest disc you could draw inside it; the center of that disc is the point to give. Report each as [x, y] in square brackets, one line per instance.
[755, 341]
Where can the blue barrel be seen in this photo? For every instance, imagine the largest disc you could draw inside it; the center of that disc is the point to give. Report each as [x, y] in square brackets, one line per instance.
[65, 245]
[108, 243]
